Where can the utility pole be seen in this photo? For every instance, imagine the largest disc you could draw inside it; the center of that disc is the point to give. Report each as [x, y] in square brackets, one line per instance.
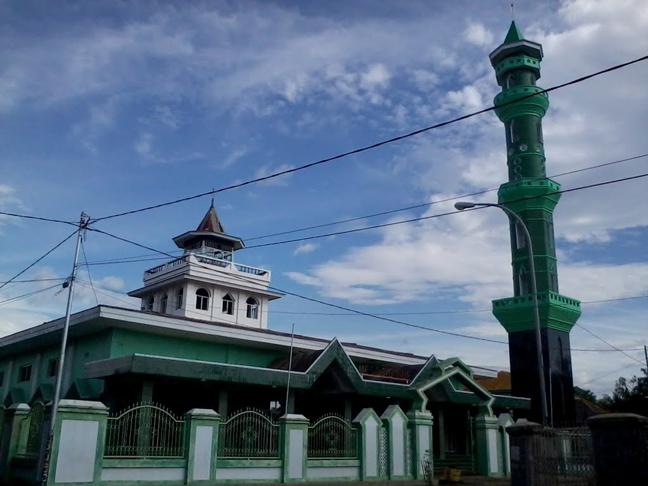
[646, 354]
[83, 222]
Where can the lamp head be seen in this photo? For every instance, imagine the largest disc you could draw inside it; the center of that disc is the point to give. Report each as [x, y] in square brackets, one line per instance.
[464, 205]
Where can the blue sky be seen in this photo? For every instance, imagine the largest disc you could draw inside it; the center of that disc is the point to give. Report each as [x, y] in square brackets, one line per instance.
[111, 106]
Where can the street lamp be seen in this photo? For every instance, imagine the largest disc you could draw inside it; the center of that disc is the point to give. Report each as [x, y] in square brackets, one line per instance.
[534, 291]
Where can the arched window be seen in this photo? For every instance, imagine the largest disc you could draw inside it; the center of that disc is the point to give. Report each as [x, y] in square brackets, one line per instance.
[179, 298]
[163, 304]
[202, 299]
[514, 136]
[252, 308]
[523, 281]
[520, 236]
[150, 302]
[510, 80]
[228, 305]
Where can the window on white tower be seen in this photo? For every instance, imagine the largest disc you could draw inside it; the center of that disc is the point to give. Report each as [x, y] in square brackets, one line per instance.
[228, 305]
[202, 299]
[163, 304]
[179, 298]
[252, 308]
[150, 302]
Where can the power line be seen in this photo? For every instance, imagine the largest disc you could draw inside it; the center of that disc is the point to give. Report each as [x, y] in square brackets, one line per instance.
[432, 203]
[372, 146]
[85, 258]
[348, 309]
[24, 296]
[142, 258]
[32, 280]
[608, 374]
[37, 218]
[97, 288]
[425, 313]
[433, 216]
[611, 345]
[41, 258]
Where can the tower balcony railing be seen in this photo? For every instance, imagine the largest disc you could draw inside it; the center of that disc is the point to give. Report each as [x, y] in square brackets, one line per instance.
[195, 263]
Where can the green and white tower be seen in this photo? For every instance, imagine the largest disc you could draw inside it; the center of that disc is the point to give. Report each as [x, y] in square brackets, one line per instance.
[533, 197]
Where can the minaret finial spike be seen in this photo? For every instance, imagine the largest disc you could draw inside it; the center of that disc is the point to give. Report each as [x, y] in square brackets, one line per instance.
[512, 11]
[212, 194]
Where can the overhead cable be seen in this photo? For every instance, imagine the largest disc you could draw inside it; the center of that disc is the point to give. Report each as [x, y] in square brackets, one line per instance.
[369, 147]
[38, 260]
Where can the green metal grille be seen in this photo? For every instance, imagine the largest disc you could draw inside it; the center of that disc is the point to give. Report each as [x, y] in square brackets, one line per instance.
[35, 420]
[332, 437]
[249, 433]
[145, 430]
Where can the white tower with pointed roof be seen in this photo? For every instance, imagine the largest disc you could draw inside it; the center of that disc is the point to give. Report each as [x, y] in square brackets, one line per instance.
[206, 283]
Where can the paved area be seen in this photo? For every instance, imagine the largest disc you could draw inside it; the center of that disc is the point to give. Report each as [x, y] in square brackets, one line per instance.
[465, 481]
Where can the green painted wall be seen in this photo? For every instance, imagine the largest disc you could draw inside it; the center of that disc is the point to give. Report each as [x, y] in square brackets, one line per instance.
[87, 348]
[125, 343]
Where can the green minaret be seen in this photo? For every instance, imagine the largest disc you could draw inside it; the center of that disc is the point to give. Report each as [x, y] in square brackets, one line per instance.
[532, 196]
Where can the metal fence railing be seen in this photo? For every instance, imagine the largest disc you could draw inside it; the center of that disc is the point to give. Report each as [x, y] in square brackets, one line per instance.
[332, 437]
[249, 433]
[563, 456]
[145, 430]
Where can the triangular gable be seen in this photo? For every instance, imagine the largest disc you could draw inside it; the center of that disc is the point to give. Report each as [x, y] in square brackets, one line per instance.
[427, 371]
[15, 395]
[457, 369]
[450, 363]
[44, 393]
[335, 352]
[83, 389]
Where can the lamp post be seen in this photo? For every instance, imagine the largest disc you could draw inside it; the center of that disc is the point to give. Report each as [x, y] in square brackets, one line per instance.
[534, 291]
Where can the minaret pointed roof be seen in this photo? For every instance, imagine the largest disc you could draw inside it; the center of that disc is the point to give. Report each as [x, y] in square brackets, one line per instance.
[210, 228]
[211, 222]
[513, 34]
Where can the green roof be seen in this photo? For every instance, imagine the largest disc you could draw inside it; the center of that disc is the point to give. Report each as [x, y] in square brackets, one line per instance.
[513, 34]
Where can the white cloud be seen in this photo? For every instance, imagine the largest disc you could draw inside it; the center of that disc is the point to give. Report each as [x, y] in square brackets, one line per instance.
[479, 35]
[233, 157]
[144, 144]
[305, 248]
[267, 170]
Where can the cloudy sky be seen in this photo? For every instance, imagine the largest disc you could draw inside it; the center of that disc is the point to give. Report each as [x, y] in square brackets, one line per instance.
[111, 106]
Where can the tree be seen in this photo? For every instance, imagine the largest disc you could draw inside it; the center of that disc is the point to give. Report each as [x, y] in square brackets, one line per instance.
[585, 394]
[630, 396]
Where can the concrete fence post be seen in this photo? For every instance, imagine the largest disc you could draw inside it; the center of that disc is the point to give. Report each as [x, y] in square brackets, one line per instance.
[202, 427]
[525, 442]
[395, 421]
[486, 435]
[420, 424]
[294, 447]
[79, 442]
[13, 436]
[369, 425]
[620, 449]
